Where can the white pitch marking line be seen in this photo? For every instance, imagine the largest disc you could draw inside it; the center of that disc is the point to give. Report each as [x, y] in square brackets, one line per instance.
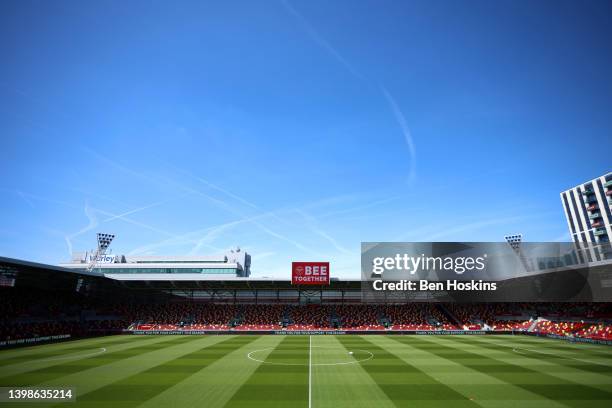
[309, 371]
[516, 350]
[73, 356]
[250, 357]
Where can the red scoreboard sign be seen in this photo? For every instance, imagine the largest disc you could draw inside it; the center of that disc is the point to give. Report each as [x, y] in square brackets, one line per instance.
[310, 273]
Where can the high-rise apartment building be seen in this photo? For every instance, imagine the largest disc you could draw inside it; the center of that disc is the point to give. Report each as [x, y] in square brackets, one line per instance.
[588, 210]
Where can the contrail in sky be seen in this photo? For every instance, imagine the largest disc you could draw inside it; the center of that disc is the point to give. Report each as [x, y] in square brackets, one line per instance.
[397, 112]
[403, 124]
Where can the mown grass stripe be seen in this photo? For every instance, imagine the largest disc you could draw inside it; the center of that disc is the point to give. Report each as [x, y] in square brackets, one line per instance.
[100, 376]
[574, 362]
[274, 385]
[60, 345]
[483, 389]
[345, 385]
[580, 350]
[40, 363]
[59, 368]
[145, 385]
[403, 383]
[74, 347]
[548, 386]
[215, 384]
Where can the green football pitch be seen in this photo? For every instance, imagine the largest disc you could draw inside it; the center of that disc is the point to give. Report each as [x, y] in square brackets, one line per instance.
[316, 371]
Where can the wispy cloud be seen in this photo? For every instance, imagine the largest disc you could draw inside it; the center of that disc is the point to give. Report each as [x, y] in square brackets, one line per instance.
[205, 237]
[252, 220]
[395, 109]
[154, 180]
[93, 223]
[118, 166]
[218, 188]
[313, 226]
[26, 199]
[361, 207]
[89, 194]
[47, 200]
[142, 208]
[449, 232]
[213, 233]
[285, 238]
[264, 228]
[173, 239]
[403, 124]
[319, 39]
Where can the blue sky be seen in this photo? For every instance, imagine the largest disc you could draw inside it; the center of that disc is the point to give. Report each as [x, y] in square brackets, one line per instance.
[296, 130]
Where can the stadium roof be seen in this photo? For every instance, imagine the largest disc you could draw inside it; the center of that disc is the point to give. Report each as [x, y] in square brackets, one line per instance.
[37, 274]
[20, 264]
[593, 283]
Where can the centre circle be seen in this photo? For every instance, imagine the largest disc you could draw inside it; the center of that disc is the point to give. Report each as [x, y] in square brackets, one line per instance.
[369, 356]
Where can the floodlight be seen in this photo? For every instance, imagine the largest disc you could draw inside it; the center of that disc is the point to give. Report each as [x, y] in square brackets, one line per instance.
[514, 241]
[104, 241]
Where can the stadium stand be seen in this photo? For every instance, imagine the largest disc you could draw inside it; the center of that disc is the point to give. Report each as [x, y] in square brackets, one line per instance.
[600, 331]
[560, 328]
[36, 313]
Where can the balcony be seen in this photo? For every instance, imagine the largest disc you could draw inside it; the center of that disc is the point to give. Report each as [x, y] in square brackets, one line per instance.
[608, 183]
[588, 191]
[597, 224]
[594, 216]
[599, 231]
[609, 193]
[592, 207]
[593, 199]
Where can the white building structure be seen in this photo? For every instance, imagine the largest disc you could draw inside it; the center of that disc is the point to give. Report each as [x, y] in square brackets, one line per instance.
[233, 264]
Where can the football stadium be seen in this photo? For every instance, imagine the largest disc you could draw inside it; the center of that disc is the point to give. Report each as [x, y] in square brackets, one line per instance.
[166, 336]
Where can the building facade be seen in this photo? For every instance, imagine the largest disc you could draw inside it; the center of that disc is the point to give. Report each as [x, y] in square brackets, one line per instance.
[588, 210]
[235, 263]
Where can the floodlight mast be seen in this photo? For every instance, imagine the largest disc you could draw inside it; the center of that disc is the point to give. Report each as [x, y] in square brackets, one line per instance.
[104, 241]
[515, 243]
